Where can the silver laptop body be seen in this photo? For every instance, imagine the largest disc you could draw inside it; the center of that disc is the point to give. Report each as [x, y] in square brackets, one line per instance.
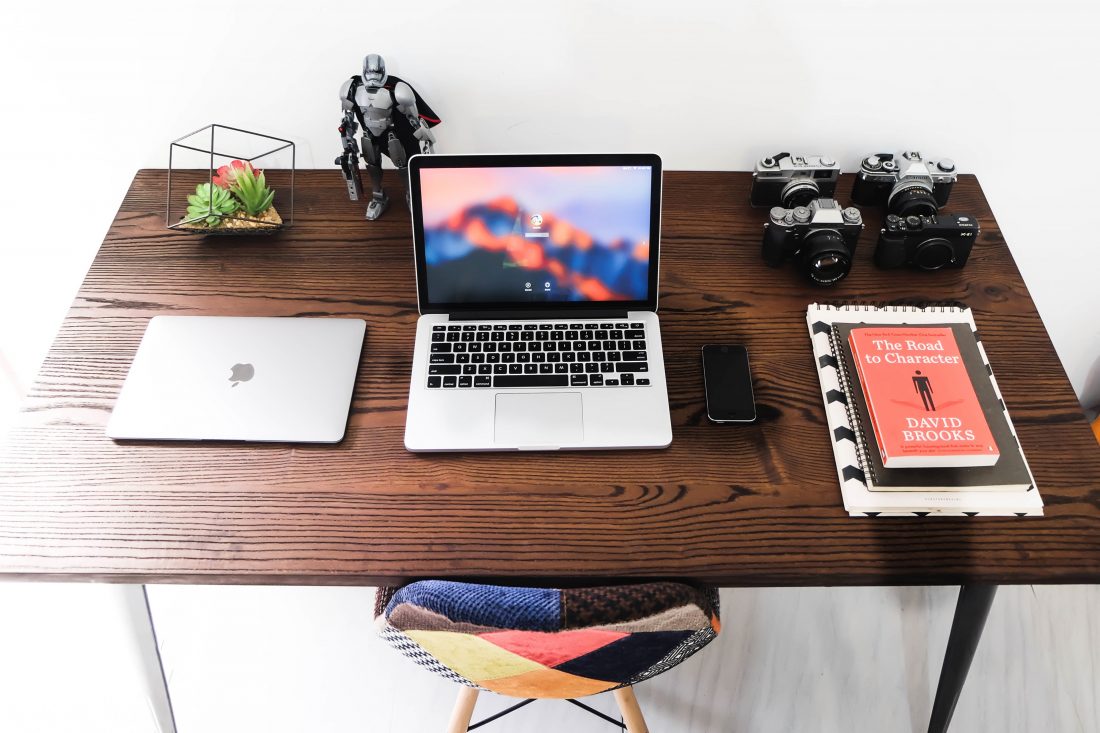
[537, 284]
[249, 379]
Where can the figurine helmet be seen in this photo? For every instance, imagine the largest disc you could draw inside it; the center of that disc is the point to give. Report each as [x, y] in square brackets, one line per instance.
[374, 71]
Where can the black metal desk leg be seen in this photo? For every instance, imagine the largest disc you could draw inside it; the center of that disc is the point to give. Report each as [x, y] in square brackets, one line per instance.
[966, 629]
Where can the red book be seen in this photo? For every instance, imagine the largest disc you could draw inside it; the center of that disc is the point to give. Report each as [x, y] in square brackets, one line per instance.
[924, 412]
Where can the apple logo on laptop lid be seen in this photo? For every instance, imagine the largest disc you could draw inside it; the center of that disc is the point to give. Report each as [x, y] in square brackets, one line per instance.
[241, 373]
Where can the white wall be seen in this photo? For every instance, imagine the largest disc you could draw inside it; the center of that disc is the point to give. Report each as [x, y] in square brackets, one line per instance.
[1006, 88]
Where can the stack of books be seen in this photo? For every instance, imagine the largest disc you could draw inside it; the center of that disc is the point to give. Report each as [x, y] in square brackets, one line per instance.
[917, 421]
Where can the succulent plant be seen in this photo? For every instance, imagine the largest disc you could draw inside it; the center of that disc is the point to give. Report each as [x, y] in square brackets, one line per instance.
[226, 176]
[251, 190]
[213, 202]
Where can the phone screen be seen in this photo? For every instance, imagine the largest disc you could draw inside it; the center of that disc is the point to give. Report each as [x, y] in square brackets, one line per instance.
[728, 384]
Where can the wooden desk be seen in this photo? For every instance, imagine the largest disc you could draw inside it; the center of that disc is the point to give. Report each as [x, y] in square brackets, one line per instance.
[728, 505]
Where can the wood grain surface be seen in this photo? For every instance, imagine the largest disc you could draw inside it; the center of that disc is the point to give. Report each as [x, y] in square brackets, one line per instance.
[731, 505]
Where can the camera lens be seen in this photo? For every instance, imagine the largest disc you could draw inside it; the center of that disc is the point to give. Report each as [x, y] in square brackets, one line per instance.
[932, 254]
[799, 192]
[909, 198]
[825, 257]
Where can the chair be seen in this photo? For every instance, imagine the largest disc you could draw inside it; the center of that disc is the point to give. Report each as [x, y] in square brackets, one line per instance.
[547, 642]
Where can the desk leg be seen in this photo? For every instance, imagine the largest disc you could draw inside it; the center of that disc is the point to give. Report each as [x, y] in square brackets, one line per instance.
[168, 722]
[966, 630]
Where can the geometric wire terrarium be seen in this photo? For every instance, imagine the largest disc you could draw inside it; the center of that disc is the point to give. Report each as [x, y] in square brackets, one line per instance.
[228, 181]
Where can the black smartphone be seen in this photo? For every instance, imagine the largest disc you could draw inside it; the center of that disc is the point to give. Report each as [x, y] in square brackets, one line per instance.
[728, 383]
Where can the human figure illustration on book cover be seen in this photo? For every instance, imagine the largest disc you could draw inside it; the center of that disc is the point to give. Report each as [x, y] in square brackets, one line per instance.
[923, 385]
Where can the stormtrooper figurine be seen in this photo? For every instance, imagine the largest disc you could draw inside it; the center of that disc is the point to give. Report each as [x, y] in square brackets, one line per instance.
[395, 121]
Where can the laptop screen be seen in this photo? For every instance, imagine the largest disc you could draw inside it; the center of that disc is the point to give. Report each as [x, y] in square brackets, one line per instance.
[524, 236]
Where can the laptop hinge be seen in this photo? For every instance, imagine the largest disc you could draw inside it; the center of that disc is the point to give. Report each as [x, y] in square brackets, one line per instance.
[544, 315]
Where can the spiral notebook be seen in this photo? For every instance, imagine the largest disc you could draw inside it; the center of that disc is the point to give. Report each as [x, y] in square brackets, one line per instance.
[855, 466]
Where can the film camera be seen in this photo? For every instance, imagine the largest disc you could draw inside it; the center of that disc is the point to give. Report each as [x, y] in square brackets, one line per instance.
[793, 180]
[820, 238]
[926, 242]
[905, 183]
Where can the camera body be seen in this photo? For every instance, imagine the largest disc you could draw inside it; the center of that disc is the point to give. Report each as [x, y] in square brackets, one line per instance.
[905, 183]
[793, 180]
[820, 238]
[926, 242]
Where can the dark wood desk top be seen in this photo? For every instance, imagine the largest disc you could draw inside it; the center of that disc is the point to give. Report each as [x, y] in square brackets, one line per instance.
[732, 505]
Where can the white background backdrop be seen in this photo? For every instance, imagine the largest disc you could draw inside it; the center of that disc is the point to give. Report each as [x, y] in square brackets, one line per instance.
[93, 91]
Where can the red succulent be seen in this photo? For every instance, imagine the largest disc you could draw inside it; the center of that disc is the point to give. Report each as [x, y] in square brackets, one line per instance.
[227, 174]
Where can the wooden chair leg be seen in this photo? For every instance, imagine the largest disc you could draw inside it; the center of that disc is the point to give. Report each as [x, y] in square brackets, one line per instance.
[463, 710]
[628, 706]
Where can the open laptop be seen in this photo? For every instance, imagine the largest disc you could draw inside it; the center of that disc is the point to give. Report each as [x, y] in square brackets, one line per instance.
[251, 379]
[537, 281]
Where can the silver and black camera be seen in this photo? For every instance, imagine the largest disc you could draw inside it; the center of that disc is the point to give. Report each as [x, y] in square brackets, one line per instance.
[926, 242]
[820, 238]
[905, 183]
[793, 180]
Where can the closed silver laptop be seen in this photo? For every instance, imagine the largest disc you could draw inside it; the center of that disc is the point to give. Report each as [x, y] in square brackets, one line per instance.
[250, 379]
[537, 281]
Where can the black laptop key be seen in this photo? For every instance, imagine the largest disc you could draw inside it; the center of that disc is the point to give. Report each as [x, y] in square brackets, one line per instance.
[462, 358]
[436, 337]
[586, 335]
[546, 326]
[591, 367]
[594, 345]
[499, 327]
[580, 345]
[634, 356]
[530, 368]
[584, 356]
[576, 368]
[530, 327]
[474, 348]
[459, 348]
[441, 348]
[534, 346]
[523, 358]
[449, 381]
[606, 366]
[469, 327]
[438, 328]
[557, 335]
[569, 356]
[531, 380]
[435, 382]
[601, 334]
[492, 358]
[553, 357]
[496, 336]
[616, 334]
[480, 381]
[614, 356]
[637, 325]
[611, 382]
[635, 334]
[626, 379]
[631, 366]
[538, 358]
[484, 327]
[565, 346]
[642, 382]
[596, 380]
[435, 369]
[515, 327]
[578, 380]
[500, 369]
[561, 369]
[504, 347]
[508, 358]
[454, 328]
[527, 336]
[511, 336]
[469, 369]
[576, 326]
[465, 381]
[519, 346]
[453, 336]
[469, 336]
[623, 346]
[638, 345]
[572, 335]
[484, 368]
[542, 335]
[477, 358]
[489, 348]
[482, 335]
[599, 356]
[608, 345]
[441, 359]
[546, 368]
[515, 369]
[560, 327]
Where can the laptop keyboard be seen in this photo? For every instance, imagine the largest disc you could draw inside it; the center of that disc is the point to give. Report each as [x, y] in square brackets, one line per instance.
[568, 354]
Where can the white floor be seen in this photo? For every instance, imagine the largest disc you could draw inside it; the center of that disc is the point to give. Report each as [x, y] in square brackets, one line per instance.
[283, 660]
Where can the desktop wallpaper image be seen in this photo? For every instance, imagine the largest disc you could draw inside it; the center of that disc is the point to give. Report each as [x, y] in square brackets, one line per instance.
[536, 235]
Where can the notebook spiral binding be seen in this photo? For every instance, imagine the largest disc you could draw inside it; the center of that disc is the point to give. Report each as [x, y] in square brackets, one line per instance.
[896, 306]
[856, 424]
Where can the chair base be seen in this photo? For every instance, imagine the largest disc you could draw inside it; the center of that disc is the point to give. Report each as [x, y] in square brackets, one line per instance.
[632, 720]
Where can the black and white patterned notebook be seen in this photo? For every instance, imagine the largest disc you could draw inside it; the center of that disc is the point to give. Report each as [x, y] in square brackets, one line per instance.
[858, 499]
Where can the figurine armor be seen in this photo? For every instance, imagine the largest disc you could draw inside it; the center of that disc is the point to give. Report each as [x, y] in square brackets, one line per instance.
[395, 121]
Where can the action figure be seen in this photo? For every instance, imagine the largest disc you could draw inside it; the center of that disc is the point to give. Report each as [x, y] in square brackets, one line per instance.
[369, 102]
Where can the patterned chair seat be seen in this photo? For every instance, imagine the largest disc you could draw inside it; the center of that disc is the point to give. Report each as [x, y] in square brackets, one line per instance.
[548, 642]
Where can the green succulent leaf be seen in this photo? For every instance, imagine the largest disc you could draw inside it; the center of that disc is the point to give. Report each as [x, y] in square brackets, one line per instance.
[252, 192]
[212, 202]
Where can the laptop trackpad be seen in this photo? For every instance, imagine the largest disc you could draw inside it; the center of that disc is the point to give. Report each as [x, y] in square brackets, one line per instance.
[545, 420]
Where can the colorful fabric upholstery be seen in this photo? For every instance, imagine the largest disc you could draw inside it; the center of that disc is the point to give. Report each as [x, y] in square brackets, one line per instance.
[547, 642]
